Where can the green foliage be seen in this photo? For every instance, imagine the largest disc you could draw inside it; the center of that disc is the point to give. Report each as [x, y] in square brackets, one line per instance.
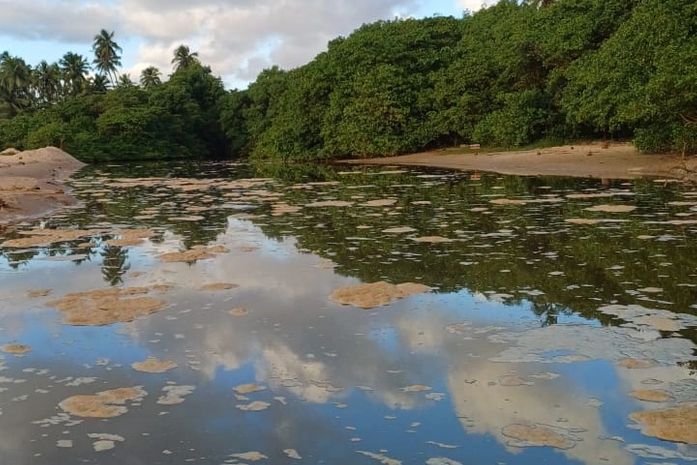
[643, 79]
[513, 74]
[176, 119]
[509, 75]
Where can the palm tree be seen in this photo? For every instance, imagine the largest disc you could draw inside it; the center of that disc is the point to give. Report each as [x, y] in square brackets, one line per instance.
[125, 81]
[150, 77]
[100, 83]
[15, 83]
[47, 82]
[183, 58]
[106, 54]
[74, 68]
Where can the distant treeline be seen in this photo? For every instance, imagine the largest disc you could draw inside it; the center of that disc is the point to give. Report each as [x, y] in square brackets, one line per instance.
[510, 75]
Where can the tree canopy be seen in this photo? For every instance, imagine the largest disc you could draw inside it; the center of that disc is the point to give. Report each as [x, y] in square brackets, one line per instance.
[514, 74]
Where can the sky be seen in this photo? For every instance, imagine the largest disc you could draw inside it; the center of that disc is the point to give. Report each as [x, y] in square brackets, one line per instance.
[237, 38]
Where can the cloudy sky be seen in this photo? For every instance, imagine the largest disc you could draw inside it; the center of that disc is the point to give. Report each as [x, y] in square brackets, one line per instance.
[237, 38]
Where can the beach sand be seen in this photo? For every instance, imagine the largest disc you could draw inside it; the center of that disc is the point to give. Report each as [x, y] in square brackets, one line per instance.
[595, 160]
[32, 183]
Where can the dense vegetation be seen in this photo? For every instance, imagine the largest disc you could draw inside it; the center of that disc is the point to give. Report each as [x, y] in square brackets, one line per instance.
[108, 116]
[510, 75]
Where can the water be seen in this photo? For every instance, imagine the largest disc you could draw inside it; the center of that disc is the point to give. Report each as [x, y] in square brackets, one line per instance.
[529, 324]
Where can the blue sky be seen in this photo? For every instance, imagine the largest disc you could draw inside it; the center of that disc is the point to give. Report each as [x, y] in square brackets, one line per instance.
[237, 38]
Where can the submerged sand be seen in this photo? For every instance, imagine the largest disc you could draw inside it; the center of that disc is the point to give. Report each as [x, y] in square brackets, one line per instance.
[596, 160]
[31, 183]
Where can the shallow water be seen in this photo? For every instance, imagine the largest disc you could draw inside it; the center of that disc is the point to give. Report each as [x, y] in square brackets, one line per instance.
[530, 321]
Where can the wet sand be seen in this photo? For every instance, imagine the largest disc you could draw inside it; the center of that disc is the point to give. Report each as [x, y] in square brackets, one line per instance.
[32, 183]
[616, 161]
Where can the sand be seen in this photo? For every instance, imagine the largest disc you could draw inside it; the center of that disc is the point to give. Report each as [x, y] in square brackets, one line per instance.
[373, 295]
[31, 183]
[618, 161]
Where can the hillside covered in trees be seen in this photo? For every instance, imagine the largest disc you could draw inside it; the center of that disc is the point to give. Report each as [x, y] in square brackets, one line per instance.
[509, 75]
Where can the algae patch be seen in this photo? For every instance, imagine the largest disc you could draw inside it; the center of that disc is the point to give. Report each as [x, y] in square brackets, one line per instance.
[373, 295]
[106, 404]
[677, 424]
[16, 349]
[154, 365]
[521, 435]
[108, 306]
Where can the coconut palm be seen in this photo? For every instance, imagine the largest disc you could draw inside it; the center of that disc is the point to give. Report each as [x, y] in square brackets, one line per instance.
[74, 68]
[150, 77]
[100, 83]
[106, 54]
[47, 82]
[184, 57]
[125, 81]
[15, 83]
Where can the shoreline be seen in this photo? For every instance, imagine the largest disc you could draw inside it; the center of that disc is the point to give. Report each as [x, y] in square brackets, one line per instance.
[32, 183]
[589, 160]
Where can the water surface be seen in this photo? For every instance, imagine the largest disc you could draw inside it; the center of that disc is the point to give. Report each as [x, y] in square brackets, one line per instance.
[531, 319]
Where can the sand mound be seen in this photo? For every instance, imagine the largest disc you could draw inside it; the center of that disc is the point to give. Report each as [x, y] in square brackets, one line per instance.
[536, 436]
[108, 306]
[154, 365]
[44, 156]
[677, 424]
[376, 294]
[18, 183]
[107, 404]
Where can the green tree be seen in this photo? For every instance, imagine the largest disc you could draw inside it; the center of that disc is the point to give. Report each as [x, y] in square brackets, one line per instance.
[184, 57]
[47, 82]
[106, 54]
[15, 84]
[150, 77]
[99, 83]
[74, 68]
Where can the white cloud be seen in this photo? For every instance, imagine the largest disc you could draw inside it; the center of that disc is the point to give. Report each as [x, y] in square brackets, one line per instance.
[474, 5]
[237, 38]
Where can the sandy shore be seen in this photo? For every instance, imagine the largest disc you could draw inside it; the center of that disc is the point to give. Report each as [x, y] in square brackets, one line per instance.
[31, 183]
[616, 161]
